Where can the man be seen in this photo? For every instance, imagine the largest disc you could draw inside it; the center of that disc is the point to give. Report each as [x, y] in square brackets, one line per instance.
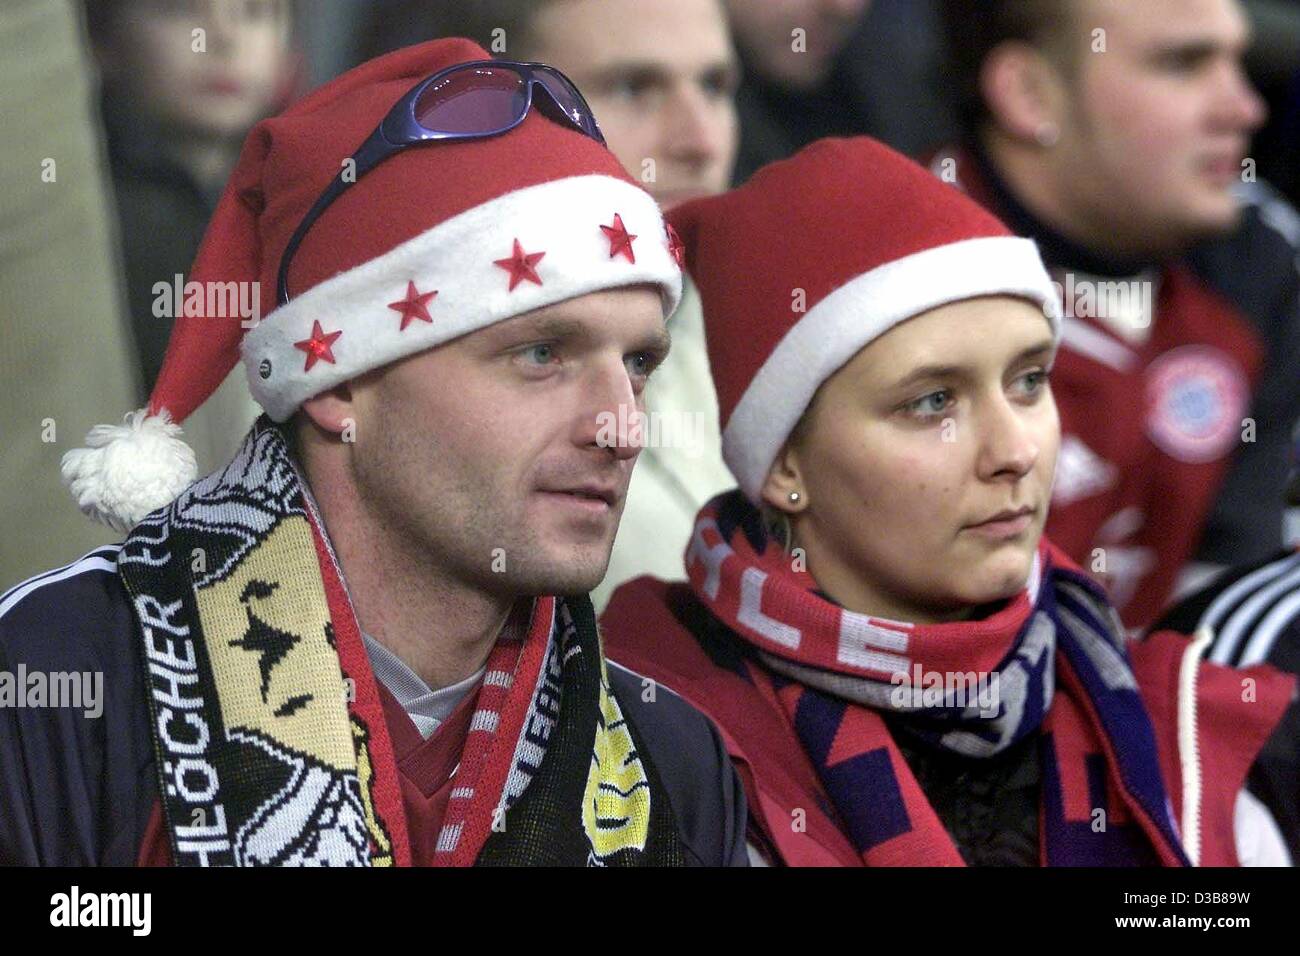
[351, 651]
[1115, 134]
[661, 78]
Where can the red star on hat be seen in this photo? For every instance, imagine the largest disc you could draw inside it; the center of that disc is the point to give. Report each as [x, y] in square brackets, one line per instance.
[520, 266]
[413, 306]
[619, 239]
[676, 247]
[318, 346]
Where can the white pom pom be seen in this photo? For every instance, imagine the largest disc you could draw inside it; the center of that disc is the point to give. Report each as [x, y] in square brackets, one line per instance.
[129, 470]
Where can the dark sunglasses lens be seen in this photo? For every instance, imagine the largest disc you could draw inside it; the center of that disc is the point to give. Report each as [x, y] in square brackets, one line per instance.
[569, 100]
[482, 100]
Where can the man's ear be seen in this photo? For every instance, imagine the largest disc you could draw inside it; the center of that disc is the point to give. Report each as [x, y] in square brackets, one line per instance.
[1023, 91]
[786, 476]
[332, 411]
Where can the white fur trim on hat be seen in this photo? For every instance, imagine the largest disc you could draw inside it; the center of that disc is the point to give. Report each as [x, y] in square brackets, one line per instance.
[866, 307]
[457, 257]
[129, 470]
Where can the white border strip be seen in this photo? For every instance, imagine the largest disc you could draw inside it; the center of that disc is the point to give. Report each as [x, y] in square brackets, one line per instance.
[457, 258]
[92, 561]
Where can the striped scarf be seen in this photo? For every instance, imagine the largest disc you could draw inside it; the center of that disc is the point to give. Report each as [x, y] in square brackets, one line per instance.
[270, 742]
[1051, 660]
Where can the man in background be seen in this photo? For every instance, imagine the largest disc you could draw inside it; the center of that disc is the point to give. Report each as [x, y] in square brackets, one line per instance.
[815, 68]
[1116, 135]
[793, 92]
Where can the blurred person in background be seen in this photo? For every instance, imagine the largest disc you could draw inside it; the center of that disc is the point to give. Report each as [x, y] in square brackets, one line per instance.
[1274, 65]
[1116, 135]
[660, 78]
[857, 67]
[66, 354]
[183, 82]
[791, 94]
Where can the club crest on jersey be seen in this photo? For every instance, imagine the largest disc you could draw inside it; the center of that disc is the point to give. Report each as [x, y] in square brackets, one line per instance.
[1196, 397]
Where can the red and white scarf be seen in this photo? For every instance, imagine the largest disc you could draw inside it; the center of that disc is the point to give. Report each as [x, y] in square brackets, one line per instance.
[1057, 655]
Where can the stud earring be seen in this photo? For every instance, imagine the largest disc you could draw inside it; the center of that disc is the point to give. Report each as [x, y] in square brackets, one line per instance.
[794, 497]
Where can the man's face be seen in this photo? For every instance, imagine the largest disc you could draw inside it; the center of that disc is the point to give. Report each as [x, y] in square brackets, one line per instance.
[216, 84]
[489, 455]
[660, 77]
[907, 452]
[1160, 122]
[764, 28]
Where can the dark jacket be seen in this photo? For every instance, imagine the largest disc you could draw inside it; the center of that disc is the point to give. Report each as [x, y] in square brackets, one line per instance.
[80, 790]
[1256, 267]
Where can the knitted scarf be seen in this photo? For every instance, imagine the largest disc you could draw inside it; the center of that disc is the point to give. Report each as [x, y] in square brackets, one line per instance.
[1051, 660]
[269, 736]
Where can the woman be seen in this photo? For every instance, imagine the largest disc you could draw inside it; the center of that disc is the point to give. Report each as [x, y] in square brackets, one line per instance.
[905, 671]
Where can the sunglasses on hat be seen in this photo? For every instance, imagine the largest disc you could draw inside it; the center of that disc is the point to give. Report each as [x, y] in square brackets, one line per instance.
[472, 100]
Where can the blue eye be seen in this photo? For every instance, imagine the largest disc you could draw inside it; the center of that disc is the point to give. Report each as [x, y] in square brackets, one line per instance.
[928, 406]
[543, 353]
[1034, 382]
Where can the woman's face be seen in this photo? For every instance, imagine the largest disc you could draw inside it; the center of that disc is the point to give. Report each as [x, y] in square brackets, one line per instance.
[925, 464]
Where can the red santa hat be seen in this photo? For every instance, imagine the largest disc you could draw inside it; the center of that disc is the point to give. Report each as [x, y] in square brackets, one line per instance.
[816, 256]
[435, 242]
